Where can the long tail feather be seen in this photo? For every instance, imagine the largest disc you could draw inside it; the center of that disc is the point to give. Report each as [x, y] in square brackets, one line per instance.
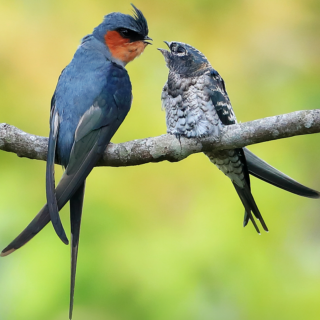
[50, 183]
[65, 189]
[76, 204]
[262, 170]
[250, 206]
[72, 179]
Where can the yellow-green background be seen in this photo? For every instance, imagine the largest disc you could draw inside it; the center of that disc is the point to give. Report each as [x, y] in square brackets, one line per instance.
[165, 241]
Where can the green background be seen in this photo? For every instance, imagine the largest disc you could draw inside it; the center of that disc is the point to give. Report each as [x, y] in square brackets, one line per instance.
[165, 241]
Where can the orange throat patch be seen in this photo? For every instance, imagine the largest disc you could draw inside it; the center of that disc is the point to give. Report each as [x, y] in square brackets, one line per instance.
[121, 48]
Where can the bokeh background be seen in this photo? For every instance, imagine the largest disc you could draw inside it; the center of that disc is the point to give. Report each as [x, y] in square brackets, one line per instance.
[165, 241]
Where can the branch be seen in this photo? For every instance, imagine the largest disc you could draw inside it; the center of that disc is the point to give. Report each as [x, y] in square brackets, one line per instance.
[168, 147]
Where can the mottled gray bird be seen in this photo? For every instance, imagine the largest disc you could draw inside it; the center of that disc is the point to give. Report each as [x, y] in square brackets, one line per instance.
[197, 105]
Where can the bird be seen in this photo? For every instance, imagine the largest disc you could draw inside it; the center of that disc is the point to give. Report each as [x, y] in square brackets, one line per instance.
[197, 105]
[92, 98]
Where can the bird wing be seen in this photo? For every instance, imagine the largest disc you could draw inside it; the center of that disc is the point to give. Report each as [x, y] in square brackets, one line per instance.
[221, 101]
[50, 183]
[94, 132]
[222, 104]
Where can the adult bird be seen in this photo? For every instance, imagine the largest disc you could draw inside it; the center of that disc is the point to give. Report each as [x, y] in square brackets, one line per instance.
[197, 105]
[92, 98]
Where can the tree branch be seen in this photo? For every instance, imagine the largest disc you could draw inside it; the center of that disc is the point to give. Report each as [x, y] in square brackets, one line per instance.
[168, 147]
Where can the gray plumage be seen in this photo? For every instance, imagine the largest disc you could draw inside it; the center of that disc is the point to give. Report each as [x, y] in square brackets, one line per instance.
[191, 112]
[189, 109]
[197, 105]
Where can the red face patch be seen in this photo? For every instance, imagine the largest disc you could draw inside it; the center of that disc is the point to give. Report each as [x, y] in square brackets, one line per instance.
[121, 48]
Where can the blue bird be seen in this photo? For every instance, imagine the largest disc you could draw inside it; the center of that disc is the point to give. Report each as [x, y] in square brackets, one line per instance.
[92, 98]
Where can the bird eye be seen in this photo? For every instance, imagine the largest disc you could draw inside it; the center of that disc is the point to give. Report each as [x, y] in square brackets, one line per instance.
[130, 34]
[124, 32]
[181, 50]
[178, 50]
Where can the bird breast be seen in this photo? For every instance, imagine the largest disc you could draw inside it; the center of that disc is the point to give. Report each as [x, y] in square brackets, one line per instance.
[189, 109]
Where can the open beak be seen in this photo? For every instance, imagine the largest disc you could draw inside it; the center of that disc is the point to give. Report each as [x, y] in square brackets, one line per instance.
[164, 51]
[147, 38]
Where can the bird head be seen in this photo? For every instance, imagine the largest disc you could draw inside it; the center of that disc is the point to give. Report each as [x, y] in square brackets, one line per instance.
[184, 59]
[125, 36]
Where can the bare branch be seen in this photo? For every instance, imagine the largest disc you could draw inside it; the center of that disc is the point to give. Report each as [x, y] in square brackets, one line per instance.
[167, 147]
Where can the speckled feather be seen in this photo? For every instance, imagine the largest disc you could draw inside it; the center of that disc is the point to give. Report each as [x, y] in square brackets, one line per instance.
[199, 106]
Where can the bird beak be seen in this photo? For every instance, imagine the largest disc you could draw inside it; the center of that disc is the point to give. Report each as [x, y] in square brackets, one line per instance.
[147, 38]
[164, 51]
[167, 43]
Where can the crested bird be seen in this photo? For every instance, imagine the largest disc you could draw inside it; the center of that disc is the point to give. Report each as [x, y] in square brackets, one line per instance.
[197, 105]
[92, 98]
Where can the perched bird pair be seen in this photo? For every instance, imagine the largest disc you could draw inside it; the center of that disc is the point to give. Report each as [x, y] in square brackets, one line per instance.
[93, 97]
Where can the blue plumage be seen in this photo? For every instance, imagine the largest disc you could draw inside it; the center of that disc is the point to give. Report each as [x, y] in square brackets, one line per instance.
[91, 100]
[89, 72]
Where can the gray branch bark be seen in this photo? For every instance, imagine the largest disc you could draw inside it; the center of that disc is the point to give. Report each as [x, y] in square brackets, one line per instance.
[168, 147]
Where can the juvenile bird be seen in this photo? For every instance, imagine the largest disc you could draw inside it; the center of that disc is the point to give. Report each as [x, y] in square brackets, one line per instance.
[197, 105]
[92, 98]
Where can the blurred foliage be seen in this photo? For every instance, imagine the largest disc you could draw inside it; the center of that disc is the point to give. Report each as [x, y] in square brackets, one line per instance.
[165, 241]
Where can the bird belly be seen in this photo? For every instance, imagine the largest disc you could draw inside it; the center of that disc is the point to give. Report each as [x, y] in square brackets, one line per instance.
[230, 164]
